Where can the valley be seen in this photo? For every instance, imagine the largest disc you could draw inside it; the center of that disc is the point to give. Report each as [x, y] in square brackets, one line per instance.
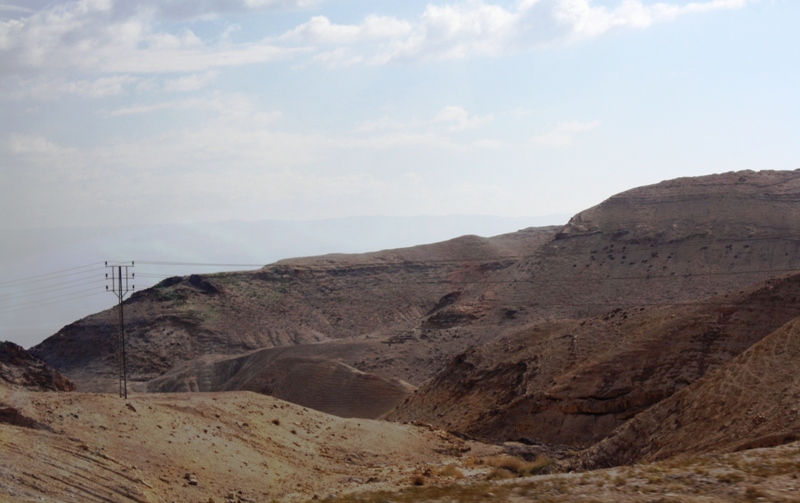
[645, 350]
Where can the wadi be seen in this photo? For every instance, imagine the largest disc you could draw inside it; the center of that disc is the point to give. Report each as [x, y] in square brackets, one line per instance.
[645, 351]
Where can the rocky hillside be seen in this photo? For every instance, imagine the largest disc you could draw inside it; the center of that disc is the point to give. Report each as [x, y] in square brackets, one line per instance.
[316, 382]
[20, 368]
[574, 381]
[291, 302]
[750, 402]
[566, 333]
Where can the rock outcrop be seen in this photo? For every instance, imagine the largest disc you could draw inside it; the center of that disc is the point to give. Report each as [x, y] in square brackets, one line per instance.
[20, 368]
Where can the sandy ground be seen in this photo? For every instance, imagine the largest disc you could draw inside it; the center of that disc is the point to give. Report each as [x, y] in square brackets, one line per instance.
[768, 475]
[241, 446]
[202, 447]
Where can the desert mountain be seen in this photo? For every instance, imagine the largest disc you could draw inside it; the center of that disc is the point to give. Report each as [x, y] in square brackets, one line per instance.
[574, 381]
[377, 295]
[750, 402]
[663, 321]
[568, 332]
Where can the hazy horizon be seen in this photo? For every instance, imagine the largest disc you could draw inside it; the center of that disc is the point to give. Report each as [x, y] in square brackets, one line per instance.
[119, 114]
[35, 309]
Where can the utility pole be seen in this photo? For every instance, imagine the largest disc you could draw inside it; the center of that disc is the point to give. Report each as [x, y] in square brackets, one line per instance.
[120, 287]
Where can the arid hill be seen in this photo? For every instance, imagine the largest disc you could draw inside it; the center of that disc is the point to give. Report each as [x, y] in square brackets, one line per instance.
[316, 382]
[21, 368]
[196, 446]
[574, 381]
[299, 301]
[549, 313]
[753, 401]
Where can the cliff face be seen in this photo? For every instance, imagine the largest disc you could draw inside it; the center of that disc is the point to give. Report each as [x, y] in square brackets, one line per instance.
[741, 204]
[647, 292]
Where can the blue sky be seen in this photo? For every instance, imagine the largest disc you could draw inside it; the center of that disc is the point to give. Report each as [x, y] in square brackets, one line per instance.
[163, 111]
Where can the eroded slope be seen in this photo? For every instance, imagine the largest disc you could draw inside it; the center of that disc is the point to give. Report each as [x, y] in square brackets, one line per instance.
[753, 401]
[574, 381]
[285, 373]
[291, 302]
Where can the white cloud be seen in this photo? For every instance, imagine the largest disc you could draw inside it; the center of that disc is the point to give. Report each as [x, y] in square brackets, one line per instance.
[564, 134]
[105, 37]
[459, 119]
[587, 20]
[319, 30]
[90, 36]
[45, 88]
[15, 8]
[190, 82]
[460, 30]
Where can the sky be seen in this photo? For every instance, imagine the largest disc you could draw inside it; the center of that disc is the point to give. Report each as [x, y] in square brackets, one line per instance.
[160, 113]
[177, 111]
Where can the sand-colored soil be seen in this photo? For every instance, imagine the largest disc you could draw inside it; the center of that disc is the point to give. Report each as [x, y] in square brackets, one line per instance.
[87, 447]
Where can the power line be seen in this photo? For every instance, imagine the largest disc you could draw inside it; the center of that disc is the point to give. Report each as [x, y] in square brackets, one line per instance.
[56, 297]
[197, 264]
[71, 284]
[36, 304]
[25, 281]
[41, 304]
[94, 264]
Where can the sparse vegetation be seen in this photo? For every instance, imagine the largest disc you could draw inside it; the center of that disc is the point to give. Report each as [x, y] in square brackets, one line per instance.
[451, 471]
[519, 467]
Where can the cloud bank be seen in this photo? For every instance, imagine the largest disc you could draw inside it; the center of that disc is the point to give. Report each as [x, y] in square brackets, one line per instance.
[116, 37]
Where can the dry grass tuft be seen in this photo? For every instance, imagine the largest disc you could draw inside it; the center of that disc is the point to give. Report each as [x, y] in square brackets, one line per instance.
[500, 474]
[518, 466]
[451, 471]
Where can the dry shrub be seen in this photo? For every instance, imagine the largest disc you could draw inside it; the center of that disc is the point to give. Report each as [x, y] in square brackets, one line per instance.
[451, 471]
[500, 473]
[418, 480]
[472, 462]
[276, 422]
[518, 466]
[752, 493]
